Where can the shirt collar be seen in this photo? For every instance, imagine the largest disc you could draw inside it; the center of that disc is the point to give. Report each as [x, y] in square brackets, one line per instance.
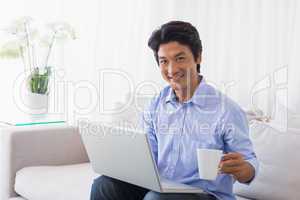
[197, 98]
[171, 97]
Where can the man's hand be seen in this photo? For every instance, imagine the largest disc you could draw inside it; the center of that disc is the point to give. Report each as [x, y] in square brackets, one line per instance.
[234, 164]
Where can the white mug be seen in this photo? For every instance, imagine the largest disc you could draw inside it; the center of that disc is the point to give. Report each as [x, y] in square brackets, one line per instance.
[208, 162]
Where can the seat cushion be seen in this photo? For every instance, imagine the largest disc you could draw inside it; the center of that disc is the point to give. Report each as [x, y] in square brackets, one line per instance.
[55, 182]
[241, 198]
[277, 152]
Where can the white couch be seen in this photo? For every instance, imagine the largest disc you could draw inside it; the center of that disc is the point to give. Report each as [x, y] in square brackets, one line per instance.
[58, 146]
[50, 163]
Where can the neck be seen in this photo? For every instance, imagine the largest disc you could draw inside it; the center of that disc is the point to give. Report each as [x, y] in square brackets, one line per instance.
[185, 94]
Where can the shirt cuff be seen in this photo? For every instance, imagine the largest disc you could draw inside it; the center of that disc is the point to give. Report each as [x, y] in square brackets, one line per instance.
[254, 163]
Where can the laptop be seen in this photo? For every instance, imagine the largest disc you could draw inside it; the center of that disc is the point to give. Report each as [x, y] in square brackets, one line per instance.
[125, 154]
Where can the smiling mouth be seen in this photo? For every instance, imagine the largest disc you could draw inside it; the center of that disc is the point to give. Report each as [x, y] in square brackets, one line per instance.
[176, 77]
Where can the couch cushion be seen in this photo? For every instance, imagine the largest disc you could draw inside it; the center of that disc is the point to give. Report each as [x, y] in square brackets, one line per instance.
[241, 198]
[277, 152]
[55, 182]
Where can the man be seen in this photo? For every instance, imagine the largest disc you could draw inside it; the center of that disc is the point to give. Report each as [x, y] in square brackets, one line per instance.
[186, 115]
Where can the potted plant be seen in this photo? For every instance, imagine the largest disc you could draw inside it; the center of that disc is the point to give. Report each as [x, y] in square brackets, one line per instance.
[26, 42]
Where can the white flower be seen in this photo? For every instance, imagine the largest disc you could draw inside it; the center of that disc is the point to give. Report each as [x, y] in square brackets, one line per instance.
[62, 30]
[23, 20]
[22, 27]
[10, 50]
[18, 26]
[27, 40]
[45, 40]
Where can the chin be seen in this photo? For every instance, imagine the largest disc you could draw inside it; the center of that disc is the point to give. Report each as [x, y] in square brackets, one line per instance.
[176, 86]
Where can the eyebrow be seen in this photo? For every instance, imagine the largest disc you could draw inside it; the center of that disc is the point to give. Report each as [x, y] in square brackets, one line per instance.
[178, 54]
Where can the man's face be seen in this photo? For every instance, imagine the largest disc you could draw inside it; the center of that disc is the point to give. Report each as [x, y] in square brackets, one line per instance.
[177, 64]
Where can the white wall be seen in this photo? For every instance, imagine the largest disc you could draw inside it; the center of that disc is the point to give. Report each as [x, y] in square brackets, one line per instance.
[247, 44]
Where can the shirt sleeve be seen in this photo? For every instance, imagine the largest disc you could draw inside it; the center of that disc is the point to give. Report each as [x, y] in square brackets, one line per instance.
[235, 132]
[147, 124]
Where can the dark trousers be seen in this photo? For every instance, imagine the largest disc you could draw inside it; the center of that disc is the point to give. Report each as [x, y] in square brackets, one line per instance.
[106, 188]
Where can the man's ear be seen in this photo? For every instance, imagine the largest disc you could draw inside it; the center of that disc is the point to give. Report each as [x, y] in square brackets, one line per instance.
[199, 59]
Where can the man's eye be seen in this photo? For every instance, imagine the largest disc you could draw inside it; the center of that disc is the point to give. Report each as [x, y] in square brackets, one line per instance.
[162, 62]
[180, 59]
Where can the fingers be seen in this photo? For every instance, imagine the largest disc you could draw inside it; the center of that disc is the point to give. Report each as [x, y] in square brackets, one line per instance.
[231, 163]
[230, 170]
[231, 167]
[232, 155]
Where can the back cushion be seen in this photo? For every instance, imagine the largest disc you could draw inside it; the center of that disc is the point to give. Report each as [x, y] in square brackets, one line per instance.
[130, 110]
[278, 154]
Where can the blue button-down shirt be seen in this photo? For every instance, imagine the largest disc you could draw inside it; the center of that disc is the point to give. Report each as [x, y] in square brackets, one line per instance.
[208, 120]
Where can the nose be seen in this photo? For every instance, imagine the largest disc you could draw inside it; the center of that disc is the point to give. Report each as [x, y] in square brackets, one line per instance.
[172, 69]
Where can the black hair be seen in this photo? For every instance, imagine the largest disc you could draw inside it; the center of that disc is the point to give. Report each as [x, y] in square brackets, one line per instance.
[179, 31]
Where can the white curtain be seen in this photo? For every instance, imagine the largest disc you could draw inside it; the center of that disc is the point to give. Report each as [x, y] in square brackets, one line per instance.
[293, 77]
[250, 49]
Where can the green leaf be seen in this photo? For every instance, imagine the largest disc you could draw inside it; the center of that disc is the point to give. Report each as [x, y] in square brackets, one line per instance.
[39, 82]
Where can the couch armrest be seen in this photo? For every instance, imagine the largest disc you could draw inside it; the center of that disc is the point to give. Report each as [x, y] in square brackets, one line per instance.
[36, 145]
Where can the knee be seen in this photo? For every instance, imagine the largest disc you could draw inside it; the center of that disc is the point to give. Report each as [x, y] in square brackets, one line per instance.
[102, 185]
[153, 196]
[103, 182]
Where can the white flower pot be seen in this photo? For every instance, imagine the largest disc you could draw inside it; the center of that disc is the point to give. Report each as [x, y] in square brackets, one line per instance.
[37, 103]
